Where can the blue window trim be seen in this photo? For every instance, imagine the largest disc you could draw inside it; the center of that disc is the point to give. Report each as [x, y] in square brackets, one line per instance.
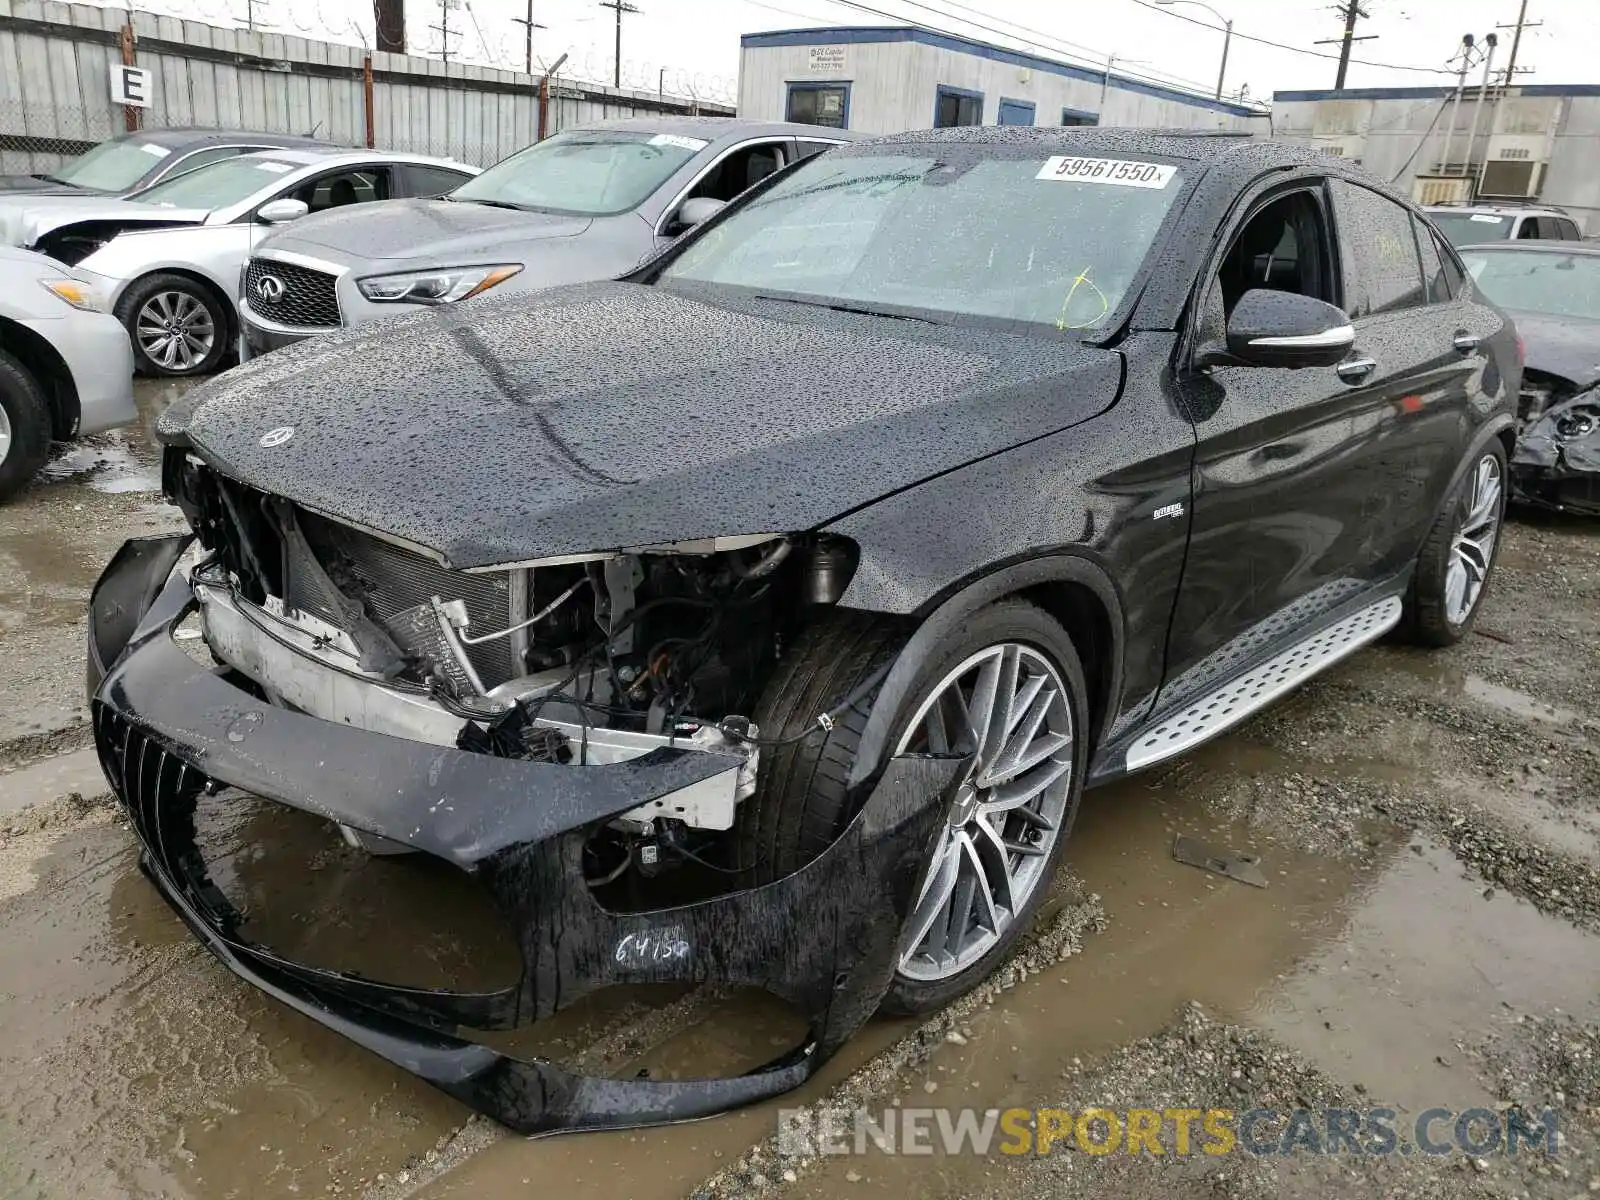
[1092, 117]
[868, 35]
[945, 89]
[1033, 109]
[817, 85]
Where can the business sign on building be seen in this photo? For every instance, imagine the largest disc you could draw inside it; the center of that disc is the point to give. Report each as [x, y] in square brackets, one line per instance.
[826, 60]
[132, 86]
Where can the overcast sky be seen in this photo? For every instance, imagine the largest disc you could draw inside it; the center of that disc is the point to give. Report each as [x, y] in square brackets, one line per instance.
[698, 40]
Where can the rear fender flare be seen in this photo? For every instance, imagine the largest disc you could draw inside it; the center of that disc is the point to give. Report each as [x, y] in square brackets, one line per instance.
[942, 621]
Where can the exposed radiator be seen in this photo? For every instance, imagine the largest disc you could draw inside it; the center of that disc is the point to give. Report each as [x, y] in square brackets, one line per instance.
[389, 580]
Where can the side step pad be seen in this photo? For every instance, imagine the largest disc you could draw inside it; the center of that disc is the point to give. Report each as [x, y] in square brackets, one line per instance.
[1260, 686]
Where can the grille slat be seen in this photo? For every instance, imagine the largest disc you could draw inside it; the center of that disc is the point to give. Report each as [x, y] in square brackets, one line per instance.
[309, 298]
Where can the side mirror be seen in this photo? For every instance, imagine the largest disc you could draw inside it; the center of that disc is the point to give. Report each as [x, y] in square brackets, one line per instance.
[279, 212]
[1286, 329]
[697, 211]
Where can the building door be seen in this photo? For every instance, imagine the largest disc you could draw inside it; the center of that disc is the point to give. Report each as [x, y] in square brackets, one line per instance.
[1016, 112]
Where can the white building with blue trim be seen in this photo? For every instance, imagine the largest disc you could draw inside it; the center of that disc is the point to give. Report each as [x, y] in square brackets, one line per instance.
[887, 79]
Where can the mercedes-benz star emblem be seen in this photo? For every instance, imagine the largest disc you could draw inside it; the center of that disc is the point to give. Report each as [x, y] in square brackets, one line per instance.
[278, 436]
[269, 288]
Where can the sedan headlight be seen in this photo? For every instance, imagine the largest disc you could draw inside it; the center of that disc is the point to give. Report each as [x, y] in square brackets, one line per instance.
[443, 286]
[76, 293]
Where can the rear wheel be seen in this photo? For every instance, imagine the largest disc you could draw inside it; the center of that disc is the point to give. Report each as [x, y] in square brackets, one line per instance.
[177, 326]
[1459, 554]
[24, 426]
[1008, 685]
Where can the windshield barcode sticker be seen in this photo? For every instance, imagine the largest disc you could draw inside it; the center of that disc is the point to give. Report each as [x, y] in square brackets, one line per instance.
[154, 150]
[678, 140]
[274, 168]
[1120, 172]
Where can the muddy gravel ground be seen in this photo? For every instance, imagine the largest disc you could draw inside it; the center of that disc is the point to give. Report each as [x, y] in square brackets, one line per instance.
[1428, 826]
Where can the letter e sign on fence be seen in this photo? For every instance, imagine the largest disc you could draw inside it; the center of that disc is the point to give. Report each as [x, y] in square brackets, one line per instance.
[130, 86]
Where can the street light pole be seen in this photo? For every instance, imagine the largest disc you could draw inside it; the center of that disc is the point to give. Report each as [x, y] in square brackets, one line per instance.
[1227, 35]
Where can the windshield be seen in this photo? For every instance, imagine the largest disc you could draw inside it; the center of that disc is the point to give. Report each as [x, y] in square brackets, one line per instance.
[1539, 281]
[1465, 229]
[217, 184]
[590, 173]
[1046, 240]
[113, 166]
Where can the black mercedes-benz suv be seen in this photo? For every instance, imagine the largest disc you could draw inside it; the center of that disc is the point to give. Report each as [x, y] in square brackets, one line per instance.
[760, 617]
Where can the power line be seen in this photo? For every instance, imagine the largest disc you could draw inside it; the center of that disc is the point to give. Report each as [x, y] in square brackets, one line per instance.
[1261, 41]
[1169, 81]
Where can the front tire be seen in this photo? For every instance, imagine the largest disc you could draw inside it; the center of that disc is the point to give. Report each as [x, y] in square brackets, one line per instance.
[1458, 557]
[24, 426]
[1008, 682]
[177, 326]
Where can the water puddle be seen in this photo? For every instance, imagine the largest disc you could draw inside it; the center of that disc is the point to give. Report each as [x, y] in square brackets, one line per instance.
[105, 463]
[1427, 959]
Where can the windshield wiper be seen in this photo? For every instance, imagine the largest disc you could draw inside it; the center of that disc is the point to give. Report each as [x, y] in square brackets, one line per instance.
[850, 308]
[487, 203]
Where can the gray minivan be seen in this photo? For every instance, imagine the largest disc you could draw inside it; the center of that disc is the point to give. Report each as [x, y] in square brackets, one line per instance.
[586, 204]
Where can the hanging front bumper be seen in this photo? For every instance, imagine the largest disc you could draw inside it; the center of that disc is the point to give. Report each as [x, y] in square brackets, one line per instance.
[824, 938]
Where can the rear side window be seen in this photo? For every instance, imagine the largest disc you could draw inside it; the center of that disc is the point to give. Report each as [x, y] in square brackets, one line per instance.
[1433, 274]
[432, 181]
[1569, 230]
[1382, 272]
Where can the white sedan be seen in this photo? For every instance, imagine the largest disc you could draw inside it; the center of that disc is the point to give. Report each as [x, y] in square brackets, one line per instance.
[168, 258]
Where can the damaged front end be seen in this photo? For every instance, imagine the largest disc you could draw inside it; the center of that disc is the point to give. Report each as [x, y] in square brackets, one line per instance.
[567, 733]
[1557, 460]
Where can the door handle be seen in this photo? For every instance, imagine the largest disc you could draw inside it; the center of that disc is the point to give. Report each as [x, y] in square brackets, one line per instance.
[1466, 342]
[1356, 369]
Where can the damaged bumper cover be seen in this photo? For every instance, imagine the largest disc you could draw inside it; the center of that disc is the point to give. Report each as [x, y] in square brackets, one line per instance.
[1557, 459]
[824, 938]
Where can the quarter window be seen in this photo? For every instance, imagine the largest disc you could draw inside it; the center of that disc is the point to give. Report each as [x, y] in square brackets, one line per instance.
[1433, 275]
[1382, 272]
[819, 104]
[432, 181]
[953, 107]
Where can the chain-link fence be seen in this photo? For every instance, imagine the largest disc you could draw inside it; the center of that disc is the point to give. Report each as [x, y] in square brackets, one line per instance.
[212, 78]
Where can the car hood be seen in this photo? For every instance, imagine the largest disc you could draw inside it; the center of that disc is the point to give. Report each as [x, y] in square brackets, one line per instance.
[36, 223]
[435, 230]
[611, 415]
[1567, 347]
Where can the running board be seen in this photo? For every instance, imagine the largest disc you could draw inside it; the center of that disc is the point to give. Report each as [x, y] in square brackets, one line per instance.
[1260, 686]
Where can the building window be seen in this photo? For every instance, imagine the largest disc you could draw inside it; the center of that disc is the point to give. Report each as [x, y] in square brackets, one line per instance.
[820, 104]
[1015, 112]
[956, 106]
[1073, 117]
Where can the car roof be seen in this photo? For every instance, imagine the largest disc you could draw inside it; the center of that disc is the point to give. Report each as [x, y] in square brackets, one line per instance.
[1547, 245]
[334, 155]
[717, 128]
[189, 136]
[1499, 210]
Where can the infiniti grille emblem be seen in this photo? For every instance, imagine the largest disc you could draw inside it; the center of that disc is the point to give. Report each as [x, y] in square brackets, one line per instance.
[269, 288]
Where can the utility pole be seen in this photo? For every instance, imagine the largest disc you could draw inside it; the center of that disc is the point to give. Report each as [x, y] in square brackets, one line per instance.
[1465, 56]
[1352, 12]
[389, 24]
[1516, 39]
[530, 26]
[444, 28]
[621, 6]
[1491, 40]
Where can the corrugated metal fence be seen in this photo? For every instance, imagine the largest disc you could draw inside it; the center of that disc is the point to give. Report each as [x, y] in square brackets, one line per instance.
[55, 89]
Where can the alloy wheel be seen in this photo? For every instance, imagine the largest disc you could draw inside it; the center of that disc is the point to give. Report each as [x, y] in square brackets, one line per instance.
[5, 434]
[1472, 547]
[175, 331]
[1006, 705]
